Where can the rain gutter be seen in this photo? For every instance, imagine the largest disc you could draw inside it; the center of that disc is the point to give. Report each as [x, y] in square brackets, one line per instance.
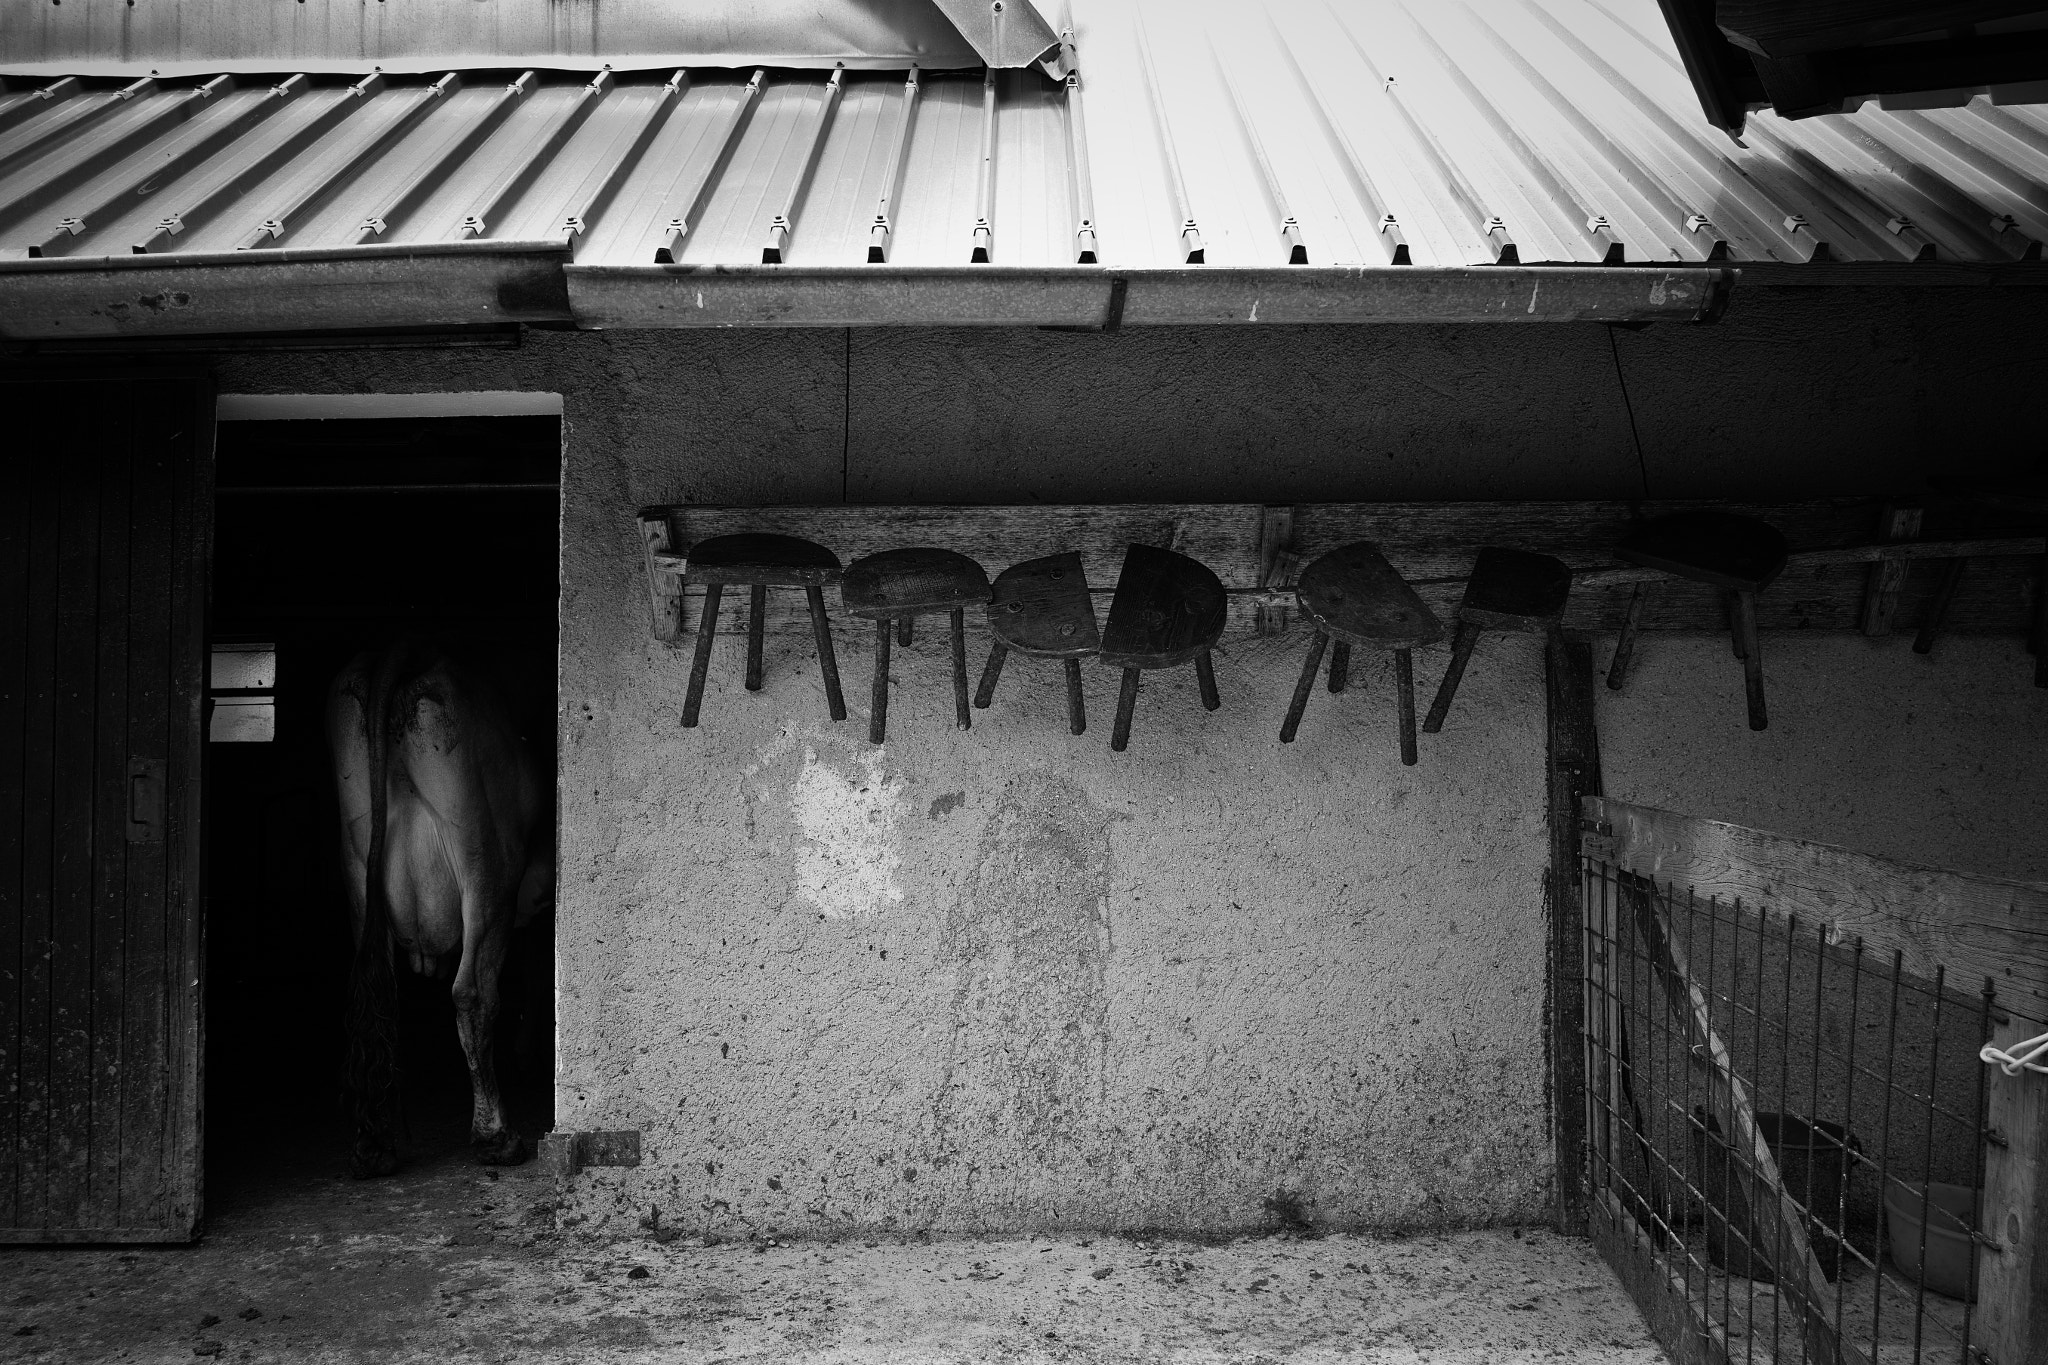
[379, 286]
[485, 283]
[1099, 299]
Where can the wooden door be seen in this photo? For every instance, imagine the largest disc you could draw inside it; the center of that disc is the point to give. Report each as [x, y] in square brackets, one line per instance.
[106, 516]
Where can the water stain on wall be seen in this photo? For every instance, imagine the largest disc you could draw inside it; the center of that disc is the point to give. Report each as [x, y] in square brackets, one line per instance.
[1029, 940]
[851, 849]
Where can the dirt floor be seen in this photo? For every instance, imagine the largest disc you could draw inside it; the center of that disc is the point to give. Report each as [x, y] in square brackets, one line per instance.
[448, 1262]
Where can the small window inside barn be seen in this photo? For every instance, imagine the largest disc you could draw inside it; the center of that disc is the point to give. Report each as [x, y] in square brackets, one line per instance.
[241, 694]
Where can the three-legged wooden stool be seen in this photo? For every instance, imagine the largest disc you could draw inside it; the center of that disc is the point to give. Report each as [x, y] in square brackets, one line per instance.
[1041, 609]
[898, 585]
[1168, 609]
[1508, 590]
[1739, 554]
[762, 562]
[1354, 595]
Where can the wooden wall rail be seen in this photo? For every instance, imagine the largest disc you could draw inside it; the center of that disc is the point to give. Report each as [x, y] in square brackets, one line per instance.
[1255, 549]
[1977, 927]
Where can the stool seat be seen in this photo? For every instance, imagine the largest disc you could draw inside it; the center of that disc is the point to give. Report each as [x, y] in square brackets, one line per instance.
[1353, 594]
[1738, 554]
[911, 582]
[1168, 609]
[1508, 590]
[761, 561]
[896, 586]
[758, 557]
[1729, 551]
[1041, 609]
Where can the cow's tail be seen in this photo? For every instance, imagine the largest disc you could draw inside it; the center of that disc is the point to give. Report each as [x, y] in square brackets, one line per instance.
[373, 983]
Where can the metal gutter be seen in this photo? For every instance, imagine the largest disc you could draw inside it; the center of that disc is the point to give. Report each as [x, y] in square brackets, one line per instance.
[616, 296]
[447, 284]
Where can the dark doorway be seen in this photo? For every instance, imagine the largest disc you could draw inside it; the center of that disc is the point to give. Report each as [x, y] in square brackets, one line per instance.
[335, 537]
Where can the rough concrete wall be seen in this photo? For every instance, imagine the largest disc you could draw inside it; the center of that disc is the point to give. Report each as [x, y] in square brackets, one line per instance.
[1170, 986]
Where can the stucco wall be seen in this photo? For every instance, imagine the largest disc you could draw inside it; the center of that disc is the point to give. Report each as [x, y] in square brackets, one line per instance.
[1187, 984]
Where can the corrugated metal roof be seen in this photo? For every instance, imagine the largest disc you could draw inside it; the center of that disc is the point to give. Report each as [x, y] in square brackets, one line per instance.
[1439, 134]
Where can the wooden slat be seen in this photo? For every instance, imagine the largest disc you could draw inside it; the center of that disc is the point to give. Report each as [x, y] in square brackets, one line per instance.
[39, 768]
[1432, 544]
[108, 797]
[664, 590]
[1977, 927]
[1778, 1237]
[144, 1102]
[71, 882]
[182, 414]
[1574, 773]
[2012, 1282]
[16, 504]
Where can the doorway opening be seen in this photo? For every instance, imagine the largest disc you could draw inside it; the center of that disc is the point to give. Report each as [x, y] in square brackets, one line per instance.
[334, 537]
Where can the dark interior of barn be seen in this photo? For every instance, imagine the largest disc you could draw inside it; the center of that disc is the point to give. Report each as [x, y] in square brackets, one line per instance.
[333, 537]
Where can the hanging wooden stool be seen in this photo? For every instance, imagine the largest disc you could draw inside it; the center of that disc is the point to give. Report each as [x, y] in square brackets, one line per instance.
[1740, 555]
[1508, 590]
[761, 562]
[1041, 609]
[1167, 610]
[900, 585]
[1354, 595]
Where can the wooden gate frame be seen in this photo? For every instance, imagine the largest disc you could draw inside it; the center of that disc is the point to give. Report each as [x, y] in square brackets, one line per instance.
[1978, 927]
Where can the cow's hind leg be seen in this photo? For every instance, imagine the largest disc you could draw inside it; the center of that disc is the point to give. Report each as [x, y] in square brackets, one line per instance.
[484, 948]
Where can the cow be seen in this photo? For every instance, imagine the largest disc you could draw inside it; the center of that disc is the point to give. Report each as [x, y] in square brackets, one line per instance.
[447, 845]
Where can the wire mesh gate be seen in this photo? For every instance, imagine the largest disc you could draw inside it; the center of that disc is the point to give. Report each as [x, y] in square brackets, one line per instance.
[1791, 1143]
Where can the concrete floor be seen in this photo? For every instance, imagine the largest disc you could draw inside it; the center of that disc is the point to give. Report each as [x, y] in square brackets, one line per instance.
[447, 1262]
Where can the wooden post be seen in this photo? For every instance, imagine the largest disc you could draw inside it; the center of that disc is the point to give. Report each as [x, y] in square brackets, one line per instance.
[1277, 563]
[1574, 768]
[2012, 1282]
[1888, 576]
[664, 589]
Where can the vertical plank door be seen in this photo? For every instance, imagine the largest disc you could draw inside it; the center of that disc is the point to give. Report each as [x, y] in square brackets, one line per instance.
[106, 528]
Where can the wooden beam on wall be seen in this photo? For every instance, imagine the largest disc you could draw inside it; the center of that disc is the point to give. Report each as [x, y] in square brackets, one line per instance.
[1432, 544]
[1574, 774]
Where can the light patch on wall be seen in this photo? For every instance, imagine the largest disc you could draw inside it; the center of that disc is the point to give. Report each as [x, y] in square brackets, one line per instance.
[846, 865]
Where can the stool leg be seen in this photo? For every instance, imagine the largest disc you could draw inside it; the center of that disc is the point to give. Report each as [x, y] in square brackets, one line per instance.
[700, 663]
[1617, 667]
[1340, 666]
[1305, 685]
[1404, 681]
[990, 672]
[1752, 657]
[878, 702]
[828, 662]
[1461, 654]
[1735, 640]
[757, 624]
[961, 715]
[903, 631]
[1205, 678]
[1937, 610]
[1077, 714]
[1126, 703]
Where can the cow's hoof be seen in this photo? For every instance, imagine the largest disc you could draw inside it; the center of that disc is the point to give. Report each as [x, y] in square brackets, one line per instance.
[370, 1162]
[500, 1149]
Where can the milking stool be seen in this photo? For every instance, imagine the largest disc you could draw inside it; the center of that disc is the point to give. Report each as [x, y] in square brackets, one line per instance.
[1167, 610]
[899, 585]
[1740, 555]
[1041, 609]
[1354, 595]
[1508, 590]
[761, 562]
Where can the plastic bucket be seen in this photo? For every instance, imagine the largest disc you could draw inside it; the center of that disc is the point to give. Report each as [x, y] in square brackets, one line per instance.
[1949, 1210]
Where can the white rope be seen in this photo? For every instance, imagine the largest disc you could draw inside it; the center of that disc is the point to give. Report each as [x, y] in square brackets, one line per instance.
[2021, 1058]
